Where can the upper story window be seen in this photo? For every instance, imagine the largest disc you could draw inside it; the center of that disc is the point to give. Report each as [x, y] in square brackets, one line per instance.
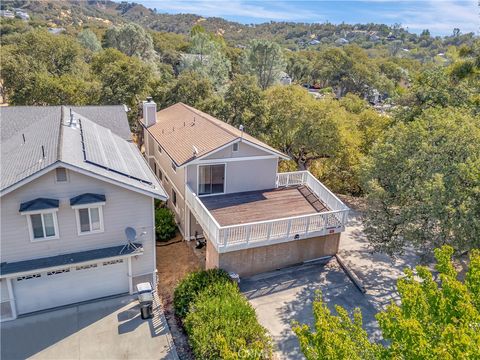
[89, 212]
[90, 220]
[235, 147]
[160, 174]
[154, 167]
[174, 198]
[174, 167]
[43, 226]
[41, 218]
[61, 175]
[159, 149]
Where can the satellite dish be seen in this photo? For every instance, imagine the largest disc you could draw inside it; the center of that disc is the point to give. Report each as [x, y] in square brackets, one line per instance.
[131, 234]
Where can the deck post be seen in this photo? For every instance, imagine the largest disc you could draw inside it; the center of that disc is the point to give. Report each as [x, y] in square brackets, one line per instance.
[269, 231]
[225, 237]
[308, 225]
[249, 231]
[289, 225]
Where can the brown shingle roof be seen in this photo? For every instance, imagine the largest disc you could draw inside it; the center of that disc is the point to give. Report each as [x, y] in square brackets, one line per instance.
[180, 127]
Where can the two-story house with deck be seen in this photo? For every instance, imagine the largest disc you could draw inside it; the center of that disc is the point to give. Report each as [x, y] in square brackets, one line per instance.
[77, 212]
[223, 184]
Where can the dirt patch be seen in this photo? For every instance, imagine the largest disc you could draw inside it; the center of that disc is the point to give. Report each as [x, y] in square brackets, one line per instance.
[175, 260]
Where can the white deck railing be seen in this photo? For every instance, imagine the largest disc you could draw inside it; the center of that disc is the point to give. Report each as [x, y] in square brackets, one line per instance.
[241, 236]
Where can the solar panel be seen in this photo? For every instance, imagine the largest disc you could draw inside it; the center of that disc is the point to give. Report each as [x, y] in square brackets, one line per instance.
[102, 148]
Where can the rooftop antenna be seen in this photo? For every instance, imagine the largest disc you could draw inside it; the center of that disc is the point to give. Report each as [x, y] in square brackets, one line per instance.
[195, 151]
[131, 237]
[241, 129]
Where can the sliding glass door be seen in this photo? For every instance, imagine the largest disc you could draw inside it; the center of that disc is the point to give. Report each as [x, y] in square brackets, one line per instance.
[211, 179]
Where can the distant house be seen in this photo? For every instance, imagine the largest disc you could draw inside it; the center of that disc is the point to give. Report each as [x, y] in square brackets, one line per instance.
[285, 79]
[23, 15]
[391, 37]
[314, 42]
[56, 31]
[225, 190]
[7, 14]
[72, 183]
[341, 41]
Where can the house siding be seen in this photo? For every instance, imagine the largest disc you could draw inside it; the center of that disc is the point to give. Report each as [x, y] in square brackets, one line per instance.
[171, 180]
[241, 175]
[248, 175]
[122, 208]
[244, 150]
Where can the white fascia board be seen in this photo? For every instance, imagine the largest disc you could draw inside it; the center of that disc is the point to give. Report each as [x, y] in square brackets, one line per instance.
[84, 172]
[114, 182]
[26, 180]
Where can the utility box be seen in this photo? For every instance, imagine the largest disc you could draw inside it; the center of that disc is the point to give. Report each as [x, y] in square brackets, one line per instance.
[145, 298]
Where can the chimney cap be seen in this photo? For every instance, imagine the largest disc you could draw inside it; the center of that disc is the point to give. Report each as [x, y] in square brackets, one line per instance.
[149, 99]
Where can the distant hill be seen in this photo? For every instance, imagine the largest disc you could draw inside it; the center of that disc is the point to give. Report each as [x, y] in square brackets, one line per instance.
[295, 36]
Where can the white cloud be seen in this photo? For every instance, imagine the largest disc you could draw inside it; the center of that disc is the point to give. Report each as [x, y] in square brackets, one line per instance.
[440, 16]
[266, 10]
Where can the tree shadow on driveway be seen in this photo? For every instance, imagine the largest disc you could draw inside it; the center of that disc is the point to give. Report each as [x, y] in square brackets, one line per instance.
[286, 296]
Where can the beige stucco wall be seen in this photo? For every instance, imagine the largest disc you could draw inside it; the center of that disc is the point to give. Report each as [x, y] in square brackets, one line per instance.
[252, 261]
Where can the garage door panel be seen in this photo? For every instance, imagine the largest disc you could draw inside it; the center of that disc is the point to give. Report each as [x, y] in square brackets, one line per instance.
[70, 285]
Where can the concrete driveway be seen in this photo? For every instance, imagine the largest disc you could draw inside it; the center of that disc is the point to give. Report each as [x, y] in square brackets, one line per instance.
[377, 271]
[284, 296]
[107, 329]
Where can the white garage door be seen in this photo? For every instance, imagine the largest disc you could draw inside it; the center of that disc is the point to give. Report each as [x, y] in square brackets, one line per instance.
[70, 285]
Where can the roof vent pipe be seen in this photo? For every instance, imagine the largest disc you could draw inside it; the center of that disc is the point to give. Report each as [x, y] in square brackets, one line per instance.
[241, 129]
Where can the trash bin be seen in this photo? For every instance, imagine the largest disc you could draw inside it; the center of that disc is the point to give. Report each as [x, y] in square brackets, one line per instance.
[145, 298]
[234, 277]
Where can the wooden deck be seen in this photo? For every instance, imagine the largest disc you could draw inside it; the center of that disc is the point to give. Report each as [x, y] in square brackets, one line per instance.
[252, 206]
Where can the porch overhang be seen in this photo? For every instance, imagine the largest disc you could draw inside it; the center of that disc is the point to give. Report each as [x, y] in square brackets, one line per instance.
[19, 268]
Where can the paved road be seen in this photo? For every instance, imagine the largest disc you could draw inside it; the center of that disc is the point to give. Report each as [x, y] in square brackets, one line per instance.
[108, 329]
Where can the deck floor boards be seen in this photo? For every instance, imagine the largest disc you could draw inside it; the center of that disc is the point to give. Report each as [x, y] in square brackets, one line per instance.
[252, 206]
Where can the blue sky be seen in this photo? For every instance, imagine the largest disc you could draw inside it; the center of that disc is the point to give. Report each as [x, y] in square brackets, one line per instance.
[439, 16]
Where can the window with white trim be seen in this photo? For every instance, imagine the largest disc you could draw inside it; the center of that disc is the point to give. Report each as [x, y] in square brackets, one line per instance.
[89, 219]
[43, 226]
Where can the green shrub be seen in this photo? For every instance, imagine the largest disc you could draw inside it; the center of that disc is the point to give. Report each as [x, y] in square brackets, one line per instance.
[165, 226]
[186, 292]
[221, 324]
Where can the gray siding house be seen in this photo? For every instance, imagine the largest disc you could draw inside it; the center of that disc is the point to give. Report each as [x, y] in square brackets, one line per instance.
[71, 183]
[224, 187]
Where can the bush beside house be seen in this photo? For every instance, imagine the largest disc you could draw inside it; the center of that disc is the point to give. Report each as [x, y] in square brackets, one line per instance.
[219, 321]
[165, 226]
